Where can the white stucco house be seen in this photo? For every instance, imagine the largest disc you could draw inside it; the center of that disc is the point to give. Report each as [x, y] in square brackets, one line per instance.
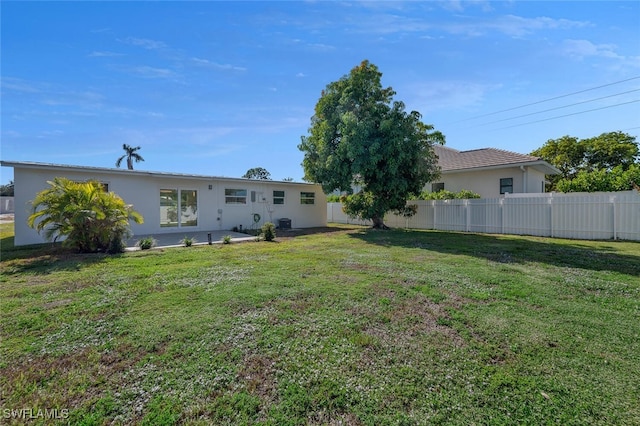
[173, 203]
[490, 172]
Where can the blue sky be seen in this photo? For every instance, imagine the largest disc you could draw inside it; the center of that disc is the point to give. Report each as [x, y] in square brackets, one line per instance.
[217, 88]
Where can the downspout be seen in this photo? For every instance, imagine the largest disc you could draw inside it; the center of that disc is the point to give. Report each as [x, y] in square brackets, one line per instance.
[525, 177]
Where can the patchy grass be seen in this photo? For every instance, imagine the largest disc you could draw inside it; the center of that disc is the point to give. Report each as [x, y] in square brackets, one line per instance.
[348, 326]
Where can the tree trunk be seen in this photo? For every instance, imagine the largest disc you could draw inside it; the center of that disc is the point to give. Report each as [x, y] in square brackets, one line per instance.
[378, 223]
[130, 163]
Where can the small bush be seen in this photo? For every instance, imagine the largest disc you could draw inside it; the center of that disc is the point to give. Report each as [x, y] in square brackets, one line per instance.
[226, 239]
[269, 231]
[146, 243]
[188, 241]
[448, 195]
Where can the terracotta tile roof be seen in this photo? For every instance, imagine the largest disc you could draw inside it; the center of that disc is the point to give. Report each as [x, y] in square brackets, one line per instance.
[452, 159]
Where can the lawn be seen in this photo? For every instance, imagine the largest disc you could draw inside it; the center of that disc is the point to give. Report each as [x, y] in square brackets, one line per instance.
[346, 326]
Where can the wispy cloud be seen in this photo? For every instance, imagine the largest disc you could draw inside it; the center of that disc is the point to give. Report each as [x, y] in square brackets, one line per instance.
[439, 95]
[215, 65]
[580, 49]
[511, 25]
[103, 54]
[152, 72]
[18, 85]
[144, 43]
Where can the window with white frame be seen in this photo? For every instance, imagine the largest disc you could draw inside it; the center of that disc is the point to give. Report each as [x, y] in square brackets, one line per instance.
[188, 207]
[178, 208]
[235, 196]
[437, 187]
[278, 197]
[307, 197]
[506, 186]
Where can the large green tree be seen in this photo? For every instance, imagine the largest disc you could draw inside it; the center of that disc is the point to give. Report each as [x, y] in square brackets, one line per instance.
[131, 155]
[360, 137]
[91, 219]
[577, 159]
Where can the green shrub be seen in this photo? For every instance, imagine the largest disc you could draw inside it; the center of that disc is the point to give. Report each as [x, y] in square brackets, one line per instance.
[269, 231]
[226, 239]
[465, 194]
[188, 241]
[90, 219]
[146, 243]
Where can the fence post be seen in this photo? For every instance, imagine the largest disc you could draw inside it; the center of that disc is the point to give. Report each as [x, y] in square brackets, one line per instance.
[502, 215]
[615, 218]
[468, 211]
[551, 215]
[435, 210]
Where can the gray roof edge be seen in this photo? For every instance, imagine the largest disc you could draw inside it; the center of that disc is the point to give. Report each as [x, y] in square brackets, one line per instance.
[541, 165]
[52, 166]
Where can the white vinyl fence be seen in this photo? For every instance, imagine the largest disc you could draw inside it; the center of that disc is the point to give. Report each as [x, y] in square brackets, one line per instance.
[6, 205]
[586, 216]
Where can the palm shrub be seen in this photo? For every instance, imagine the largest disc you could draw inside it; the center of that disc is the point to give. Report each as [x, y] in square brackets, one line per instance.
[269, 231]
[188, 241]
[90, 219]
[147, 243]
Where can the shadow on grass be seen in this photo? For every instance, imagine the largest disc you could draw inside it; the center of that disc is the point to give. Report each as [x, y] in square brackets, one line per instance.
[44, 258]
[592, 255]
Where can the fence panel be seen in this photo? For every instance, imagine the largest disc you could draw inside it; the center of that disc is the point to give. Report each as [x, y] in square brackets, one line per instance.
[593, 216]
[527, 216]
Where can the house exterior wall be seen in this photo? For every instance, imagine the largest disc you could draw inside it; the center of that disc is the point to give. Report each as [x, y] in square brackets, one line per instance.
[143, 192]
[487, 182]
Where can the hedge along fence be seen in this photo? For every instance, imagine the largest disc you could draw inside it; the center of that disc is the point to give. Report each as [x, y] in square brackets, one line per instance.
[586, 216]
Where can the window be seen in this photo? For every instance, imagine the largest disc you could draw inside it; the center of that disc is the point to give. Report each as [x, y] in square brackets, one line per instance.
[506, 185]
[278, 197]
[189, 207]
[168, 208]
[178, 208]
[307, 198]
[235, 196]
[437, 187]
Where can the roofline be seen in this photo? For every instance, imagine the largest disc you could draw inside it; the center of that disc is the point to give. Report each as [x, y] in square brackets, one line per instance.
[51, 166]
[542, 163]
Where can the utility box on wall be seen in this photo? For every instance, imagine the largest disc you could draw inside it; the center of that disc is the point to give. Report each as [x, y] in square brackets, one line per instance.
[284, 223]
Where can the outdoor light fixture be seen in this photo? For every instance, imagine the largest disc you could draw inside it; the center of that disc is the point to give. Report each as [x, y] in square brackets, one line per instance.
[209, 238]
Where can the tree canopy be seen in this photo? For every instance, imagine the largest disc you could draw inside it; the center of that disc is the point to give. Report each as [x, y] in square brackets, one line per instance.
[601, 163]
[131, 155]
[257, 173]
[7, 190]
[360, 136]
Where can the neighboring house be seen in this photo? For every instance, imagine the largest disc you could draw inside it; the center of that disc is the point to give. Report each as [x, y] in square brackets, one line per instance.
[172, 202]
[490, 172]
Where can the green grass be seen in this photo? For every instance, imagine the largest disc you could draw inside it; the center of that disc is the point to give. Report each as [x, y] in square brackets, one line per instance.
[350, 325]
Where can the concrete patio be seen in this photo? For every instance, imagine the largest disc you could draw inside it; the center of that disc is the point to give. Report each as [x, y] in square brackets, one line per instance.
[173, 239]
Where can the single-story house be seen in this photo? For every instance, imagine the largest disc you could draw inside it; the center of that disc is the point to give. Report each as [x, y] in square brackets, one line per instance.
[174, 203]
[490, 172]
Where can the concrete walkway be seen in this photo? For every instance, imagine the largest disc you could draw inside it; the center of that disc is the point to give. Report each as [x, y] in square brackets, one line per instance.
[200, 237]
